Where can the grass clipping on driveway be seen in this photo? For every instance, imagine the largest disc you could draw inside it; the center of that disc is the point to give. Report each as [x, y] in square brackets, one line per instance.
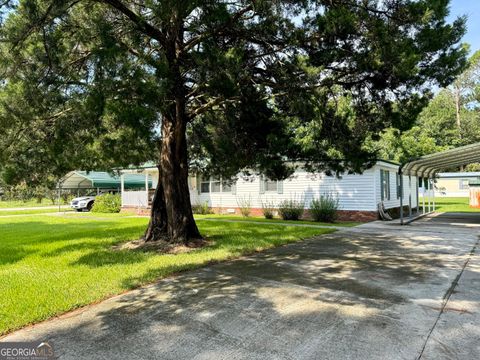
[52, 264]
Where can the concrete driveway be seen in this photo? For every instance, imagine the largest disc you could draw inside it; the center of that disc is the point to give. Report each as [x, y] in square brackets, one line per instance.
[378, 291]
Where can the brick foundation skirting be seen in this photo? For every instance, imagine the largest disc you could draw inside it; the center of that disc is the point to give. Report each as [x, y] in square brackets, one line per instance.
[141, 211]
[343, 215]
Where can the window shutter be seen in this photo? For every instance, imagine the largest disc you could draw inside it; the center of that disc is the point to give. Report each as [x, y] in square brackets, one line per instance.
[280, 187]
[199, 185]
[234, 187]
[262, 184]
[382, 186]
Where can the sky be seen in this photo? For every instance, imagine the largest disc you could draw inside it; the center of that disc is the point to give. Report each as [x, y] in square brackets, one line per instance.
[470, 8]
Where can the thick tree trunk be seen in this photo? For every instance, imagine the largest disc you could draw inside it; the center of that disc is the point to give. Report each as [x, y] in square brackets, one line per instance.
[157, 227]
[174, 176]
[171, 216]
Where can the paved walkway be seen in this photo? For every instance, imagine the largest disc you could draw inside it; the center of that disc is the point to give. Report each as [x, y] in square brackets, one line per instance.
[377, 291]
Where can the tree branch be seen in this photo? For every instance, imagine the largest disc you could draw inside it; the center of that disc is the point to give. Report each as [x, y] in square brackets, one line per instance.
[142, 24]
[198, 39]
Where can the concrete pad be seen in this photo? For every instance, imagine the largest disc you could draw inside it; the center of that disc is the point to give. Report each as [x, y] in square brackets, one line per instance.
[372, 292]
[457, 333]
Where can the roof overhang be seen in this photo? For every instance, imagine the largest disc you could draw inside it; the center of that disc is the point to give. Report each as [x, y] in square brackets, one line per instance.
[430, 165]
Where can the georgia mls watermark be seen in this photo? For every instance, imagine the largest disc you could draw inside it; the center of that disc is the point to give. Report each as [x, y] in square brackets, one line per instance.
[26, 351]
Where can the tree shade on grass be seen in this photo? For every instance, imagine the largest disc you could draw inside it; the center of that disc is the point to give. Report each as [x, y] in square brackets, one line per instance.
[53, 264]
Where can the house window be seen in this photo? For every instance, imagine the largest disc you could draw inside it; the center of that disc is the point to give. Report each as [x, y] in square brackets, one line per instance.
[215, 185]
[271, 185]
[464, 184]
[226, 186]
[385, 184]
[205, 186]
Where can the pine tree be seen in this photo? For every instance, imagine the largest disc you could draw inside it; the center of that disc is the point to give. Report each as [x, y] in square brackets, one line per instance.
[221, 85]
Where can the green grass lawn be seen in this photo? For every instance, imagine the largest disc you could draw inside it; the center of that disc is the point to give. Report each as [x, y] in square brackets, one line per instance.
[31, 211]
[24, 204]
[445, 204]
[51, 264]
[276, 220]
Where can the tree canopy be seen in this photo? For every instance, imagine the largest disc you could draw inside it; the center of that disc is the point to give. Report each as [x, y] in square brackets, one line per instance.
[222, 86]
[451, 119]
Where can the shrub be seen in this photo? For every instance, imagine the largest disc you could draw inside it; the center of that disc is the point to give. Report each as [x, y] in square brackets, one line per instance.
[291, 209]
[201, 209]
[324, 209]
[67, 197]
[107, 203]
[268, 209]
[245, 206]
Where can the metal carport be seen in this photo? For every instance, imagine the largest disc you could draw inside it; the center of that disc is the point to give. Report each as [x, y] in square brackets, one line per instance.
[426, 167]
[102, 180]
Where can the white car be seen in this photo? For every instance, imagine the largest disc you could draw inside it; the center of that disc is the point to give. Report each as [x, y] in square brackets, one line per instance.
[83, 203]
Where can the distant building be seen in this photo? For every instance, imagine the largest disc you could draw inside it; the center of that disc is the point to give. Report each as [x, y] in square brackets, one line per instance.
[455, 184]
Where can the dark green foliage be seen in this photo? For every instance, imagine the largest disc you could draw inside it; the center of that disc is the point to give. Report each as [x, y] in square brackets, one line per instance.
[107, 203]
[451, 119]
[324, 209]
[291, 209]
[91, 82]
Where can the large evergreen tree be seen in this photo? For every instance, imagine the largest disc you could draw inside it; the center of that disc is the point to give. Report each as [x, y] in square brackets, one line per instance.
[221, 85]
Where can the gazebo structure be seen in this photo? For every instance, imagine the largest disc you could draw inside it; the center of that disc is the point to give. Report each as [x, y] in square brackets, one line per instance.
[428, 166]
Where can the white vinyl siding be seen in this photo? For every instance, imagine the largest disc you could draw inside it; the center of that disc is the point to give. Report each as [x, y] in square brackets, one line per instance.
[355, 192]
[360, 192]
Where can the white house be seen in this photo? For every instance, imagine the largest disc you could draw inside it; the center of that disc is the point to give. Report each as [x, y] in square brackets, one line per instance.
[455, 184]
[358, 194]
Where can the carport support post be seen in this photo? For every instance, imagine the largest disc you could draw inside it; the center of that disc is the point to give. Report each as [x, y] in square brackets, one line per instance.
[429, 187]
[433, 185]
[424, 194]
[122, 186]
[417, 192]
[146, 187]
[409, 195]
[401, 197]
[59, 195]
